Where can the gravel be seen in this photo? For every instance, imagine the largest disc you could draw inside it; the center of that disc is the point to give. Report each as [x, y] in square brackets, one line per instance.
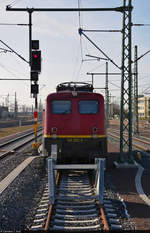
[19, 201]
[118, 203]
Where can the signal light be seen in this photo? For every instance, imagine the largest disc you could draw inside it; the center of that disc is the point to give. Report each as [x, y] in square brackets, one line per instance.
[35, 55]
[35, 44]
[36, 61]
[34, 88]
[34, 76]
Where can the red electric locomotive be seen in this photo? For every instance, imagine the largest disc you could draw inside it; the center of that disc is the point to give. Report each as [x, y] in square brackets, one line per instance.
[74, 120]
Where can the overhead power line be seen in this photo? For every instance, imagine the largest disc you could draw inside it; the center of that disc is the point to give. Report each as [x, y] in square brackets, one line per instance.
[14, 51]
[5, 50]
[141, 56]
[13, 3]
[97, 58]
[81, 47]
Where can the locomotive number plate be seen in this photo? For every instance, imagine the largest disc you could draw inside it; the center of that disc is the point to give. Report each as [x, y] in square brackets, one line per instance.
[75, 140]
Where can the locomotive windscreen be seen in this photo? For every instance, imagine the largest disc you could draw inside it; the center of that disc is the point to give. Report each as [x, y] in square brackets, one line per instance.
[88, 106]
[61, 106]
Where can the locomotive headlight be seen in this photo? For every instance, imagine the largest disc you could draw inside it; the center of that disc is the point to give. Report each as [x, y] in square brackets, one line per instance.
[95, 132]
[54, 132]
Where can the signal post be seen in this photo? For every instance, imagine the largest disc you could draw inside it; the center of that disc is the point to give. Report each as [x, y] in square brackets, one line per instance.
[35, 70]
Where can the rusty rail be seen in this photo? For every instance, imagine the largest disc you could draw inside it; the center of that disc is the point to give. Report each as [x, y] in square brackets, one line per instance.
[51, 208]
[104, 220]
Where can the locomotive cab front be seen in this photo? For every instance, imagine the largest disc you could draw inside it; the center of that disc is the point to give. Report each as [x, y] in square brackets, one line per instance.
[75, 121]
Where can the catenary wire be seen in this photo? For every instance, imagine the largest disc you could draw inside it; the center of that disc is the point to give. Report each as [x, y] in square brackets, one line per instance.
[79, 14]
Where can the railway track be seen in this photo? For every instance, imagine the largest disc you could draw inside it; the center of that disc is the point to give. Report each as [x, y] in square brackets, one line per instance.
[143, 127]
[15, 143]
[141, 143]
[76, 206]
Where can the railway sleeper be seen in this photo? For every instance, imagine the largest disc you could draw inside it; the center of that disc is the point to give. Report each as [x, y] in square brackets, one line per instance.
[76, 212]
[74, 198]
[84, 206]
[83, 228]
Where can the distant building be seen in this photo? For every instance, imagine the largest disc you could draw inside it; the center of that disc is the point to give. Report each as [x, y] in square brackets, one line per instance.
[4, 112]
[144, 107]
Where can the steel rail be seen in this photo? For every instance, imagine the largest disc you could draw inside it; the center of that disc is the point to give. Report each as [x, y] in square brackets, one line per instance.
[17, 138]
[137, 139]
[102, 216]
[6, 152]
[104, 220]
[51, 207]
[135, 145]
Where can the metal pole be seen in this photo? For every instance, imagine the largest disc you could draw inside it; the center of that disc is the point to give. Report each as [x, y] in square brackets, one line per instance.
[136, 118]
[130, 84]
[92, 80]
[107, 97]
[30, 35]
[126, 88]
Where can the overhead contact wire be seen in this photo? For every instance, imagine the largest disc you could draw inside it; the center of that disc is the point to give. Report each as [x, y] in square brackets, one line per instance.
[13, 3]
[81, 47]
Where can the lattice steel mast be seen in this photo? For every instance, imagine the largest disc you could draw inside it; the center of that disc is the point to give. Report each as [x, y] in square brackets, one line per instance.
[126, 86]
[136, 120]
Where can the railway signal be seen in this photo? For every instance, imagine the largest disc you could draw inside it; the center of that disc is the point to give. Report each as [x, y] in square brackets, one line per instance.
[36, 61]
[35, 67]
[34, 89]
[34, 76]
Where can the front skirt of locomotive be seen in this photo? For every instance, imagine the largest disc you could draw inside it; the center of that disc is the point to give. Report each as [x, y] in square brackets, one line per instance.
[75, 149]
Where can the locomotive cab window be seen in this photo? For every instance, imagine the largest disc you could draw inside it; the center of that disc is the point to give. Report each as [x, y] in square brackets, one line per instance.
[88, 106]
[61, 106]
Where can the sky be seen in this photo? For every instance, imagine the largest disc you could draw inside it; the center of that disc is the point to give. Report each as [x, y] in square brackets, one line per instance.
[64, 50]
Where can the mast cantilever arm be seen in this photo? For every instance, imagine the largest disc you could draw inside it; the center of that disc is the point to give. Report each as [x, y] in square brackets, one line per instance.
[109, 59]
[118, 9]
[141, 56]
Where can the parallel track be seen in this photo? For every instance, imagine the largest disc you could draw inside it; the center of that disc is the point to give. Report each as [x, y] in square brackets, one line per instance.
[145, 142]
[15, 143]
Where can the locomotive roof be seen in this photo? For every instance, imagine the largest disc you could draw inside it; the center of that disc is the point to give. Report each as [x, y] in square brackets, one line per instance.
[75, 86]
[84, 94]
